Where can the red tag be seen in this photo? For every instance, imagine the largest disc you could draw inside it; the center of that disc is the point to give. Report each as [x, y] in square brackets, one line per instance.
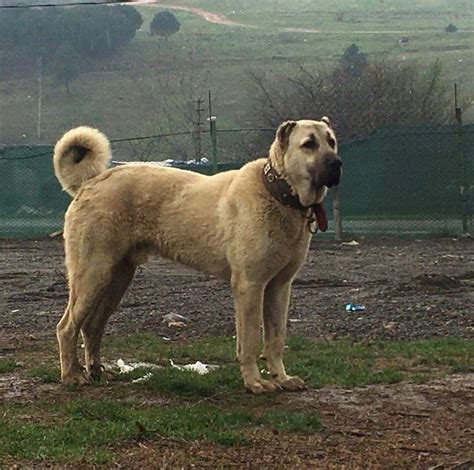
[321, 217]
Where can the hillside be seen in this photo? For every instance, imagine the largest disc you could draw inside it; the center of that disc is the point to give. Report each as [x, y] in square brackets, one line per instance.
[149, 86]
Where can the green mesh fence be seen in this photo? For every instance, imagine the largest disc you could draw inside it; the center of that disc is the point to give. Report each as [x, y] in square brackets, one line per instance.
[32, 203]
[415, 181]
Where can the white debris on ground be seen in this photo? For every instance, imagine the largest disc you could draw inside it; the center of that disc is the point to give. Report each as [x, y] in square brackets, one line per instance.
[124, 368]
[142, 379]
[173, 317]
[197, 367]
[174, 320]
[351, 243]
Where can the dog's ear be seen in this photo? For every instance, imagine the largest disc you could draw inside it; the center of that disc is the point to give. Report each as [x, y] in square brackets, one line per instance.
[283, 133]
[327, 121]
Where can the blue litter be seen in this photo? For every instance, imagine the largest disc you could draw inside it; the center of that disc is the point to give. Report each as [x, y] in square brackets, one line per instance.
[355, 307]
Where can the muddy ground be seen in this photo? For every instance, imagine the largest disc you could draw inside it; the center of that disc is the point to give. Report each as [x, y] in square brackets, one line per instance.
[411, 289]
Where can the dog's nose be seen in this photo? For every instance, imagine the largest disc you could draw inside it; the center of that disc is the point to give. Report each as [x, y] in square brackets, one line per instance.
[335, 163]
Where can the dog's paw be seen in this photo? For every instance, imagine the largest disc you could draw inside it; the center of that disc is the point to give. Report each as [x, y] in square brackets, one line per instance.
[291, 384]
[80, 377]
[261, 386]
[98, 374]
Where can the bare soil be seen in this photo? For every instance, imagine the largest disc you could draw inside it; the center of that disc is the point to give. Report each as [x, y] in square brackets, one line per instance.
[411, 289]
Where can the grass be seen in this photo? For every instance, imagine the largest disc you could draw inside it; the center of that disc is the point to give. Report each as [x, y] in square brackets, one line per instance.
[7, 364]
[85, 425]
[76, 428]
[46, 373]
[79, 429]
[339, 363]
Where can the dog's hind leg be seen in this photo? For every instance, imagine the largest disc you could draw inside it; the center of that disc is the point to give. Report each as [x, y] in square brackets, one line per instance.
[94, 325]
[248, 309]
[275, 309]
[87, 286]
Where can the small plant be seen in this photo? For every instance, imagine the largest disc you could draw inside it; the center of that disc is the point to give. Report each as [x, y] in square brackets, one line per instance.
[451, 28]
[7, 364]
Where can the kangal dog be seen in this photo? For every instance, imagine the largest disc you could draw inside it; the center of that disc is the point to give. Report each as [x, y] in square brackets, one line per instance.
[251, 227]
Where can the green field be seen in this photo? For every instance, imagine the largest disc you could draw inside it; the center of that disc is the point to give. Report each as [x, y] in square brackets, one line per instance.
[149, 86]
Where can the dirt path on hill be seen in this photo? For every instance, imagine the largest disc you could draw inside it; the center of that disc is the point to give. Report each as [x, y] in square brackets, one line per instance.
[210, 17]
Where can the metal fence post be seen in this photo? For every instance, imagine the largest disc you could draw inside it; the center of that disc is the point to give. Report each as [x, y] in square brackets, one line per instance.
[336, 212]
[213, 131]
[464, 186]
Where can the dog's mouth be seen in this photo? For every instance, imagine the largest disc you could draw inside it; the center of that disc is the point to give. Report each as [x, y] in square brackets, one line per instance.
[329, 180]
[333, 180]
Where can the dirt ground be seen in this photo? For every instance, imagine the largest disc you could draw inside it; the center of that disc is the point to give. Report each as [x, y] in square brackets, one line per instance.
[411, 289]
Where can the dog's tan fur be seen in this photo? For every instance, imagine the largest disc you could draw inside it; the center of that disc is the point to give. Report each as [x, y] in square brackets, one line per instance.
[227, 225]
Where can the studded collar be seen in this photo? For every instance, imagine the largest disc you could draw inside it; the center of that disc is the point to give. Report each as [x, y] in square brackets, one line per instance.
[279, 188]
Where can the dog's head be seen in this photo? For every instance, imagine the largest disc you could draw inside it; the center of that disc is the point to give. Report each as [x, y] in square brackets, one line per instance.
[305, 153]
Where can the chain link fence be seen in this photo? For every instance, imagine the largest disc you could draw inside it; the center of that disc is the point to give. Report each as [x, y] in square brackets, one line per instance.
[413, 181]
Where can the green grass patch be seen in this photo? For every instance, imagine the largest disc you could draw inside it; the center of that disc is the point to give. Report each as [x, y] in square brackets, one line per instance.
[349, 365]
[7, 364]
[45, 372]
[84, 430]
[174, 382]
[339, 363]
[306, 422]
[150, 348]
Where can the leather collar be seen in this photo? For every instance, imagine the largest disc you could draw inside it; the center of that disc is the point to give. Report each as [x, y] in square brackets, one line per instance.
[279, 188]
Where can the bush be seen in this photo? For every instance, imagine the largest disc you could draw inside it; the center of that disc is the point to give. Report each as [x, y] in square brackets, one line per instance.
[164, 24]
[359, 95]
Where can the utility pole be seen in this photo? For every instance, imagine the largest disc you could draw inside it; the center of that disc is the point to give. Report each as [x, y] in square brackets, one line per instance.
[213, 130]
[198, 130]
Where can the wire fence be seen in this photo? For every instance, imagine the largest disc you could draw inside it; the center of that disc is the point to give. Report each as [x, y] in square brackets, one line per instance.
[414, 181]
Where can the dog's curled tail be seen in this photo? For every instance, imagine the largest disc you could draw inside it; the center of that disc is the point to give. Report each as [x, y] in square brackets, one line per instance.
[79, 155]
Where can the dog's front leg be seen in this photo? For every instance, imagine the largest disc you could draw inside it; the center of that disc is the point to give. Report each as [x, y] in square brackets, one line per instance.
[276, 300]
[249, 311]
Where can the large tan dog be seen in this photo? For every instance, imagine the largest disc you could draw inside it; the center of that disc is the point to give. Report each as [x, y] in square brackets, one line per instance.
[249, 226]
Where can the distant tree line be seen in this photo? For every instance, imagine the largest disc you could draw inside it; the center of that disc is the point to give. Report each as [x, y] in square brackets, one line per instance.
[62, 38]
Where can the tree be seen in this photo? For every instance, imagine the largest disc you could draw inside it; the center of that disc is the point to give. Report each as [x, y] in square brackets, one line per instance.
[353, 61]
[451, 28]
[92, 32]
[382, 93]
[66, 67]
[102, 33]
[164, 24]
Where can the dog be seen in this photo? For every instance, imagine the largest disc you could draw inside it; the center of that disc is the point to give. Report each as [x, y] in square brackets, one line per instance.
[251, 227]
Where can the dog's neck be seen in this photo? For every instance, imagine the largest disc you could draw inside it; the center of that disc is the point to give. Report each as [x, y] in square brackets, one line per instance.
[279, 188]
[276, 158]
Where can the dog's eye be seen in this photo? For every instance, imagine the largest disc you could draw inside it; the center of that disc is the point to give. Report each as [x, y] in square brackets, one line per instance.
[310, 144]
[331, 142]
